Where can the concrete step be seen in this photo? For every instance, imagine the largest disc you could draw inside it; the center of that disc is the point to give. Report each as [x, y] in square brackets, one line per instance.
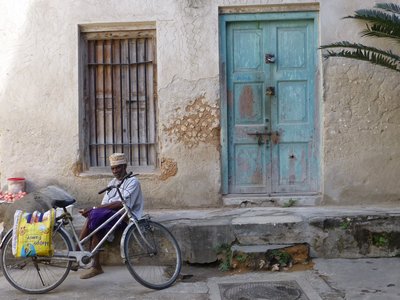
[330, 232]
[248, 200]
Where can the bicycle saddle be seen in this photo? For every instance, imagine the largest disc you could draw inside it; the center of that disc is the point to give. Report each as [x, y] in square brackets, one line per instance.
[63, 203]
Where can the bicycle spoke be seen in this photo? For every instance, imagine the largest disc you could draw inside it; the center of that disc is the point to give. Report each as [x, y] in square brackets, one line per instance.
[36, 275]
[156, 261]
[38, 271]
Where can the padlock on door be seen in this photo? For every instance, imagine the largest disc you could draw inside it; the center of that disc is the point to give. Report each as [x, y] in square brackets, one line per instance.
[270, 91]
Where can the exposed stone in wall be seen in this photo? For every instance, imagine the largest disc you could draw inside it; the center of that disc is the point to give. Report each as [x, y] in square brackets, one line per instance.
[169, 168]
[77, 168]
[199, 124]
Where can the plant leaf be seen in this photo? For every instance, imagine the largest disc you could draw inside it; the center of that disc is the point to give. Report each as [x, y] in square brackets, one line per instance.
[391, 7]
[366, 55]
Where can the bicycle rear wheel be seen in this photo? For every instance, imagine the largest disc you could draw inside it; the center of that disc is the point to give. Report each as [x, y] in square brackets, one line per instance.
[36, 275]
[156, 263]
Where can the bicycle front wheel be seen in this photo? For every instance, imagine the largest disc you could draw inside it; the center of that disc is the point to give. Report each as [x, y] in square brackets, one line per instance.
[36, 275]
[154, 261]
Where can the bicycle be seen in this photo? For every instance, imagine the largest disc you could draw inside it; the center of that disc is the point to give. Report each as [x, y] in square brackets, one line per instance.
[148, 249]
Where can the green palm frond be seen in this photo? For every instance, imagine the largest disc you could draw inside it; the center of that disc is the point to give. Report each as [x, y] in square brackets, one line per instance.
[382, 22]
[391, 7]
[382, 31]
[368, 56]
[361, 52]
[375, 16]
[357, 46]
[384, 25]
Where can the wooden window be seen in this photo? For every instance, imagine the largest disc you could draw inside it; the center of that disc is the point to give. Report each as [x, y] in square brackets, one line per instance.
[120, 104]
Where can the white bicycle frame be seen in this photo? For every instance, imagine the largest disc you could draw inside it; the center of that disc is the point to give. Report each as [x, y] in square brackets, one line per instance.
[124, 211]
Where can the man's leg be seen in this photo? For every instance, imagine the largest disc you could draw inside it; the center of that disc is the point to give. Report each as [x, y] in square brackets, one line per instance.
[96, 269]
[84, 233]
[85, 230]
[96, 258]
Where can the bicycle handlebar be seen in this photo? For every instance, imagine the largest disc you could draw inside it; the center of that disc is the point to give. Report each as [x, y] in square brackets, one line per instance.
[109, 188]
[103, 190]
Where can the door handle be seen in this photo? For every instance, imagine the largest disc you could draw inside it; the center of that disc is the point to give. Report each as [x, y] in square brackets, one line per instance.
[268, 133]
[259, 135]
[274, 136]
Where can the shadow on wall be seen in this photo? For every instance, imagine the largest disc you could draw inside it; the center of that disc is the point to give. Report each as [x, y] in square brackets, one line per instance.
[362, 195]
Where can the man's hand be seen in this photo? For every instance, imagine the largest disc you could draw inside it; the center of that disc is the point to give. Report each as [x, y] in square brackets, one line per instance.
[116, 205]
[84, 212]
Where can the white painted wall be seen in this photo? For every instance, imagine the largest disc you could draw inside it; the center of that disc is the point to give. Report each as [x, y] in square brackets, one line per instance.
[39, 99]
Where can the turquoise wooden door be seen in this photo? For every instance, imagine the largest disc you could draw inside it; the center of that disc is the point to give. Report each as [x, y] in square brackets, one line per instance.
[271, 115]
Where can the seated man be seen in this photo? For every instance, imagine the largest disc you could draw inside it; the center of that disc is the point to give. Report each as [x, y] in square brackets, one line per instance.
[111, 203]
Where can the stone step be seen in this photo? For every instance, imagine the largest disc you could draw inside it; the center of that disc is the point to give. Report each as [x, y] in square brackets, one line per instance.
[328, 232]
[241, 201]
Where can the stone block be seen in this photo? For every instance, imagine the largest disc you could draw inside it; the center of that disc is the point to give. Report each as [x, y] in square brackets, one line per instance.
[356, 237]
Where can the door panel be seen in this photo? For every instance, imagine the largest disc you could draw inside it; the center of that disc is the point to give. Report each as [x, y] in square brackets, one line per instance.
[246, 53]
[248, 110]
[293, 107]
[293, 104]
[249, 162]
[271, 107]
[249, 166]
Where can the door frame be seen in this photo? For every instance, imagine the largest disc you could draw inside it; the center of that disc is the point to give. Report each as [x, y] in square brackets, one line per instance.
[225, 96]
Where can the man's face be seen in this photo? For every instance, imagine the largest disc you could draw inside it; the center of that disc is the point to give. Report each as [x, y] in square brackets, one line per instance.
[119, 171]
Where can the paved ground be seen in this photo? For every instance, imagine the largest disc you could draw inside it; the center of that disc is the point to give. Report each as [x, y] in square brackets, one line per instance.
[329, 279]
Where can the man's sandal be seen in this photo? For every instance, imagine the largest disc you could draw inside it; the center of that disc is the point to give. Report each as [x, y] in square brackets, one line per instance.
[91, 273]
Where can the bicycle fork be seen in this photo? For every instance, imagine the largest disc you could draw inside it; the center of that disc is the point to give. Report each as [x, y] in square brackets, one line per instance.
[141, 240]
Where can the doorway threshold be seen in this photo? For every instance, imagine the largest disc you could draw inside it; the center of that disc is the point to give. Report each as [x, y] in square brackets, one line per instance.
[255, 200]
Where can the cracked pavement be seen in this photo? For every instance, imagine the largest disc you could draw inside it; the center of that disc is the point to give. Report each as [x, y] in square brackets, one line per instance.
[330, 279]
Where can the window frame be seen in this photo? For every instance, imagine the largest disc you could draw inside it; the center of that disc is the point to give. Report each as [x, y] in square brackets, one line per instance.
[89, 32]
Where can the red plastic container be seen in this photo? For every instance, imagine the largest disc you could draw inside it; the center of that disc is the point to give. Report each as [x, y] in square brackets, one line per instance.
[16, 184]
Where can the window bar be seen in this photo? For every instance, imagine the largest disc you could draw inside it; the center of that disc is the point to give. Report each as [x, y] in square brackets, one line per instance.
[90, 104]
[95, 101]
[137, 100]
[104, 106]
[120, 93]
[130, 103]
[112, 94]
[145, 101]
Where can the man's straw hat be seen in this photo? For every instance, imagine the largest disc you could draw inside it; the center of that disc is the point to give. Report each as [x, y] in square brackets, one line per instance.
[117, 159]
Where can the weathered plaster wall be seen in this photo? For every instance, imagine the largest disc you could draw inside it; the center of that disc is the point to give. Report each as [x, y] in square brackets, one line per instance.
[40, 108]
[361, 112]
[362, 133]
